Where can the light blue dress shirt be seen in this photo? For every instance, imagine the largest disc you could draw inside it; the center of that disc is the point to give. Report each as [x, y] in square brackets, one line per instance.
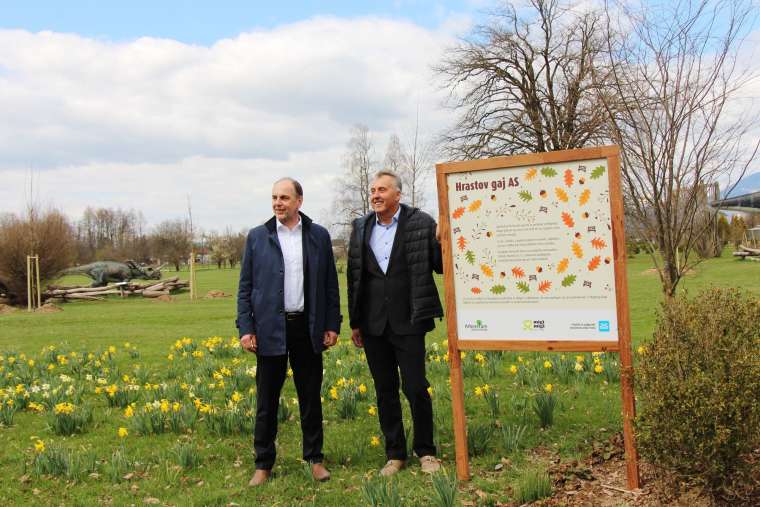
[381, 240]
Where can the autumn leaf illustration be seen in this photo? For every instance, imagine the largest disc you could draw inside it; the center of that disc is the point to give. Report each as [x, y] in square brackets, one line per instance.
[474, 206]
[594, 263]
[461, 242]
[597, 172]
[569, 177]
[486, 269]
[584, 197]
[475, 290]
[577, 250]
[567, 219]
[530, 174]
[518, 272]
[563, 264]
[568, 280]
[544, 286]
[561, 194]
[525, 195]
[523, 287]
[598, 243]
[458, 213]
[469, 255]
[549, 172]
[498, 289]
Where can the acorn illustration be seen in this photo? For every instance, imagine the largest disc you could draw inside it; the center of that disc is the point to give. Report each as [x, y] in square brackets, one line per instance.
[542, 193]
[502, 274]
[539, 269]
[578, 235]
[585, 214]
[489, 234]
[493, 197]
[581, 180]
[607, 260]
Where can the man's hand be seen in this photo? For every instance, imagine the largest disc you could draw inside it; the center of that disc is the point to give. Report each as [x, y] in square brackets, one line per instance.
[248, 342]
[438, 232]
[356, 337]
[330, 338]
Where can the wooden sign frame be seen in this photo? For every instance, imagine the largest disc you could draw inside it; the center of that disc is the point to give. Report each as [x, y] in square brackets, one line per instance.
[623, 343]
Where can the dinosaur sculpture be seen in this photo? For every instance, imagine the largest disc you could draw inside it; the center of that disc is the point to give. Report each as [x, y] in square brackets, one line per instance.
[103, 272]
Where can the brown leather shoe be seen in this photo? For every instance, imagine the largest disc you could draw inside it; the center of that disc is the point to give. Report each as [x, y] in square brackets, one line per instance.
[319, 472]
[260, 476]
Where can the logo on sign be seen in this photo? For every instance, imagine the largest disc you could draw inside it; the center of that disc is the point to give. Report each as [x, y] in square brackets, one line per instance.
[533, 325]
[477, 326]
[604, 326]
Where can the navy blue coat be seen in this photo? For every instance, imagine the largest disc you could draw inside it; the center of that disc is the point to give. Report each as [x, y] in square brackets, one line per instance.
[260, 300]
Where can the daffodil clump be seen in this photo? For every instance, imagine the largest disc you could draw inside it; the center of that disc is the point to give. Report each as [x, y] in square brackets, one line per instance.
[67, 418]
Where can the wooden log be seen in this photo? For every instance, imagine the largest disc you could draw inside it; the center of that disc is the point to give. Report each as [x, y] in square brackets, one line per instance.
[83, 296]
[155, 294]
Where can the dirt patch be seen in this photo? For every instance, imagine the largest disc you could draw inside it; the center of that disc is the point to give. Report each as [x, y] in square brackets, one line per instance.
[600, 481]
[212, 294]
[49, 308]
[164, 299]
[6, 309]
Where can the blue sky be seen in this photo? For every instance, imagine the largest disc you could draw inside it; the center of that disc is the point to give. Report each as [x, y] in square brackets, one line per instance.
[205, 22]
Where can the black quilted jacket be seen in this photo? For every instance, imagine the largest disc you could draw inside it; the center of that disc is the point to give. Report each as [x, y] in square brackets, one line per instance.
[423, 256]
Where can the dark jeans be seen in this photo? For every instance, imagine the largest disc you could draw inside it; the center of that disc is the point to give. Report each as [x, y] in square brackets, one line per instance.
[307, 375]
[388, 354]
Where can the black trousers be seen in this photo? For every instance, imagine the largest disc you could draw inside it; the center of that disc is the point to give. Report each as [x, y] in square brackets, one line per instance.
[387, 355]
[307, 375]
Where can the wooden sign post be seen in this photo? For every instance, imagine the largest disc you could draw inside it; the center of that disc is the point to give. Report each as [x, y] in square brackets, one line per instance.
[534, 260]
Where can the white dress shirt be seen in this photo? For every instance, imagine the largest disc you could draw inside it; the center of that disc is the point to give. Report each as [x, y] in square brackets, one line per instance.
[292, 254]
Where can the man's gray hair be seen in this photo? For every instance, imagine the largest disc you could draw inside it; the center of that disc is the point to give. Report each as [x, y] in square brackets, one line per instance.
[393, 175]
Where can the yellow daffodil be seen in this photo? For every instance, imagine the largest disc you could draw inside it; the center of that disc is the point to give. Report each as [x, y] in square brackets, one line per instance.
[548, 388]
[374, 441]
[372, 410]
[122, 432]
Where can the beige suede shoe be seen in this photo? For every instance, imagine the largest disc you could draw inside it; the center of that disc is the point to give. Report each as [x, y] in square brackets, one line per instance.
[392, 467]
[259, 477]
[430, 464]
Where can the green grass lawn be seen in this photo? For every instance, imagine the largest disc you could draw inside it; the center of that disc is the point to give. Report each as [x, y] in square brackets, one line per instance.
[111, 470]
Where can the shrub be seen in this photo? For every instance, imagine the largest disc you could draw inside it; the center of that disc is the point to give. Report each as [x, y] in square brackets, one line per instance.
[47, 234]
[698, 384]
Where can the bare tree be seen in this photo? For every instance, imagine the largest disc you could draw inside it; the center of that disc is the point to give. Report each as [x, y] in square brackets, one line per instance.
[353, 188]
[673, 75]
[172, 241]
[418, 158]
[525, 83]
[394, 158]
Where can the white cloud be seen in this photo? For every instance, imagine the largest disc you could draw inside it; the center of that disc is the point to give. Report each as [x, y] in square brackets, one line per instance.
[142, 124]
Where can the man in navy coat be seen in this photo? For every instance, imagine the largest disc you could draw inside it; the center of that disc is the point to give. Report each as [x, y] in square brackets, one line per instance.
[288, 307]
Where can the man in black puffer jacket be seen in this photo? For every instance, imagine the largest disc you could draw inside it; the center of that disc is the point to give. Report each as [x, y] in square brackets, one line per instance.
[392, 301]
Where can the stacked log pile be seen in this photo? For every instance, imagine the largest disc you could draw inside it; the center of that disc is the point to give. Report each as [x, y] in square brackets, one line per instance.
[124, 289]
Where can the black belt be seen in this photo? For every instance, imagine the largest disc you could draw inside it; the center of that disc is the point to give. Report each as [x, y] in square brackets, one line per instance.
[294, 315]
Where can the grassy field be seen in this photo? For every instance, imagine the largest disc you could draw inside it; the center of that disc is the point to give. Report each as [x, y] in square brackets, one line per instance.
[154, 462]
